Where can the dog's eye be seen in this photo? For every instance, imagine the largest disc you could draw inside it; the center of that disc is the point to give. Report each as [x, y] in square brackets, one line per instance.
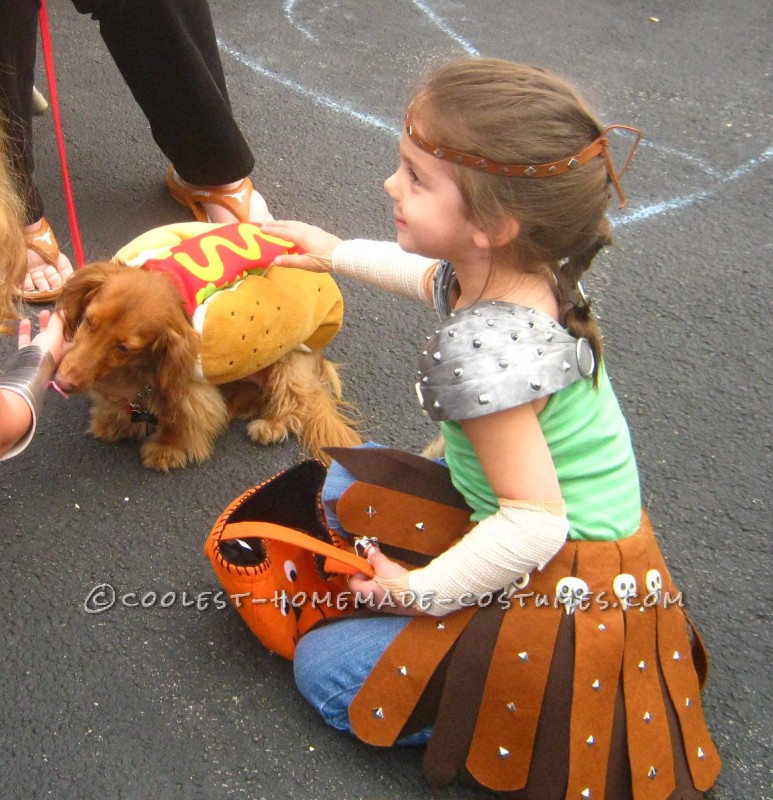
[122, 347]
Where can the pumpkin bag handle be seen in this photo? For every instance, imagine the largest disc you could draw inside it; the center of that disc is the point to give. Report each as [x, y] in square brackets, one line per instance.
[336, 559]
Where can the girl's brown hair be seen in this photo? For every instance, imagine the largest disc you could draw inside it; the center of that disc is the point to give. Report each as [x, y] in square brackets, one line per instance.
[519, 114]
[13, 259]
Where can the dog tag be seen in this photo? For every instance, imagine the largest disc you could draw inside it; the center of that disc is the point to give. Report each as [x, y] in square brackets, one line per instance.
[143, 416]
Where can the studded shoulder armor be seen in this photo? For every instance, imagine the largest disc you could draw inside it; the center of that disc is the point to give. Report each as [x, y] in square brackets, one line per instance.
[492, 356]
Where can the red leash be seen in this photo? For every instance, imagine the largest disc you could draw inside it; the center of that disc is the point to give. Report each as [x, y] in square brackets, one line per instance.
[48, 55]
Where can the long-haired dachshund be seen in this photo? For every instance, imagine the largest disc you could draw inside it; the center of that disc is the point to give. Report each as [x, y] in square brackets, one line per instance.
[134, 349]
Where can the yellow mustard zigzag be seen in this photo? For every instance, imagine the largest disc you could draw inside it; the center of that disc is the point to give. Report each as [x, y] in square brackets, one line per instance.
[212, 268]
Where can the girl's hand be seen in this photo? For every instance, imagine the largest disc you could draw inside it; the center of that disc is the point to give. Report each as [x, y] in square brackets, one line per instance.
[313, 240]
[50, 338]
[367, 587]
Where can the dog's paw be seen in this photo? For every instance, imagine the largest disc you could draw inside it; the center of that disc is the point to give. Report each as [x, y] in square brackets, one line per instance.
[264, 431]
[111, 428]
[163, 457]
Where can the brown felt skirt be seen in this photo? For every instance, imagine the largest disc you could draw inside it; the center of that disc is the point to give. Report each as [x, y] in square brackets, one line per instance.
[601, 701]
[533, 695]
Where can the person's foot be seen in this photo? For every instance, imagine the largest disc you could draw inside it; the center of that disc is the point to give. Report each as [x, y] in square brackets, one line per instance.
[230, 202]
[48, 269]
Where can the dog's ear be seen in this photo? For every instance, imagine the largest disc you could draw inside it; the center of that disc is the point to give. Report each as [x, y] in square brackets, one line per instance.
[175, 351]
[79, 291]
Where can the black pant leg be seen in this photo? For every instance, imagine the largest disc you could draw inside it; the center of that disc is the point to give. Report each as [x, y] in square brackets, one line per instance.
[18, 46]
[167, 53]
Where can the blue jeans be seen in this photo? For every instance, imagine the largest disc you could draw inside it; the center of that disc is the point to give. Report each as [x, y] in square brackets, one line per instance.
[332, 662]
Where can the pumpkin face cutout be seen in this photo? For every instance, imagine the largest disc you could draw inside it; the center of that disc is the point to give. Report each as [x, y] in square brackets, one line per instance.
[275, 558]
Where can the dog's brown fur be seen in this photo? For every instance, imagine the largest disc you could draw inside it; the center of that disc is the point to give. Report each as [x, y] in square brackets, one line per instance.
[130, 331]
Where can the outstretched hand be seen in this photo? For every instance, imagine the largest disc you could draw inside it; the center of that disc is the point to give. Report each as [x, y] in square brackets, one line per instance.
[51, 336]
[313, 240]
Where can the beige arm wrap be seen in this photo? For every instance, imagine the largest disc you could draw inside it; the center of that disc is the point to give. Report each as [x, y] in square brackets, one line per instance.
[519, 538]
[387, 266]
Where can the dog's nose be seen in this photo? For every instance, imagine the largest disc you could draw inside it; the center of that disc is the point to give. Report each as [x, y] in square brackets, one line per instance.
[63, 384]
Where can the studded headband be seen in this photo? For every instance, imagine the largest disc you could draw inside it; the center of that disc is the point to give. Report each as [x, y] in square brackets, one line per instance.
[597, 147]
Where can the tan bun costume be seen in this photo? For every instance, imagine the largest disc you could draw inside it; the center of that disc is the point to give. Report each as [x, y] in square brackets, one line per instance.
[245, 323]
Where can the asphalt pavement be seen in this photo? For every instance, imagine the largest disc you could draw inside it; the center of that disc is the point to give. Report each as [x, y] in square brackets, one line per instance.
[181, 702]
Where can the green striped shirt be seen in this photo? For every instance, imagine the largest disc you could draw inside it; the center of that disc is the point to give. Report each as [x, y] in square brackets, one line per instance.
[591, 449]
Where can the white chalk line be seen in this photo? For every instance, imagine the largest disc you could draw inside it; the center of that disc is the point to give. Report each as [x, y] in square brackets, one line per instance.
[468, 48]
[289, 9]
[323, 100]
[621, 219]
[640, 214]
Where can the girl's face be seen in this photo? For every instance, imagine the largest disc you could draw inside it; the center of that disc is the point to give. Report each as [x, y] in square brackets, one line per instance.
[430, 213]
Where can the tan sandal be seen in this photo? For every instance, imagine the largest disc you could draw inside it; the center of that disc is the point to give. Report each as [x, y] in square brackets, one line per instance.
[39, 102]
[44, 243]
[236, 201]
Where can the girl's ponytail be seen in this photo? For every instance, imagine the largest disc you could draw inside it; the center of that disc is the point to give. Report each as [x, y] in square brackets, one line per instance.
[576, 312]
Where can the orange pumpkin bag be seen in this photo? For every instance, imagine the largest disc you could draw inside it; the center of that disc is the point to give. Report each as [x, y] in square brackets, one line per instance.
[283, 569]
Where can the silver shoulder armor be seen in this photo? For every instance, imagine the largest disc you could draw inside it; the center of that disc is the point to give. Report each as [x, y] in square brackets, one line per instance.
[492, 356]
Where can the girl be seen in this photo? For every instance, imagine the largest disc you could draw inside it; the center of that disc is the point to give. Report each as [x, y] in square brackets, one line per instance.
[24, 378]
[577, 687]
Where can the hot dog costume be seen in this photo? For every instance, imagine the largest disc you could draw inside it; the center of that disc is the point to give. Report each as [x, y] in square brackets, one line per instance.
[247, 315]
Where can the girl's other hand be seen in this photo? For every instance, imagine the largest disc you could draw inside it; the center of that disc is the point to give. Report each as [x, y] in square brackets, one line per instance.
[50, 338]
[313, 240]
[368, 588]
